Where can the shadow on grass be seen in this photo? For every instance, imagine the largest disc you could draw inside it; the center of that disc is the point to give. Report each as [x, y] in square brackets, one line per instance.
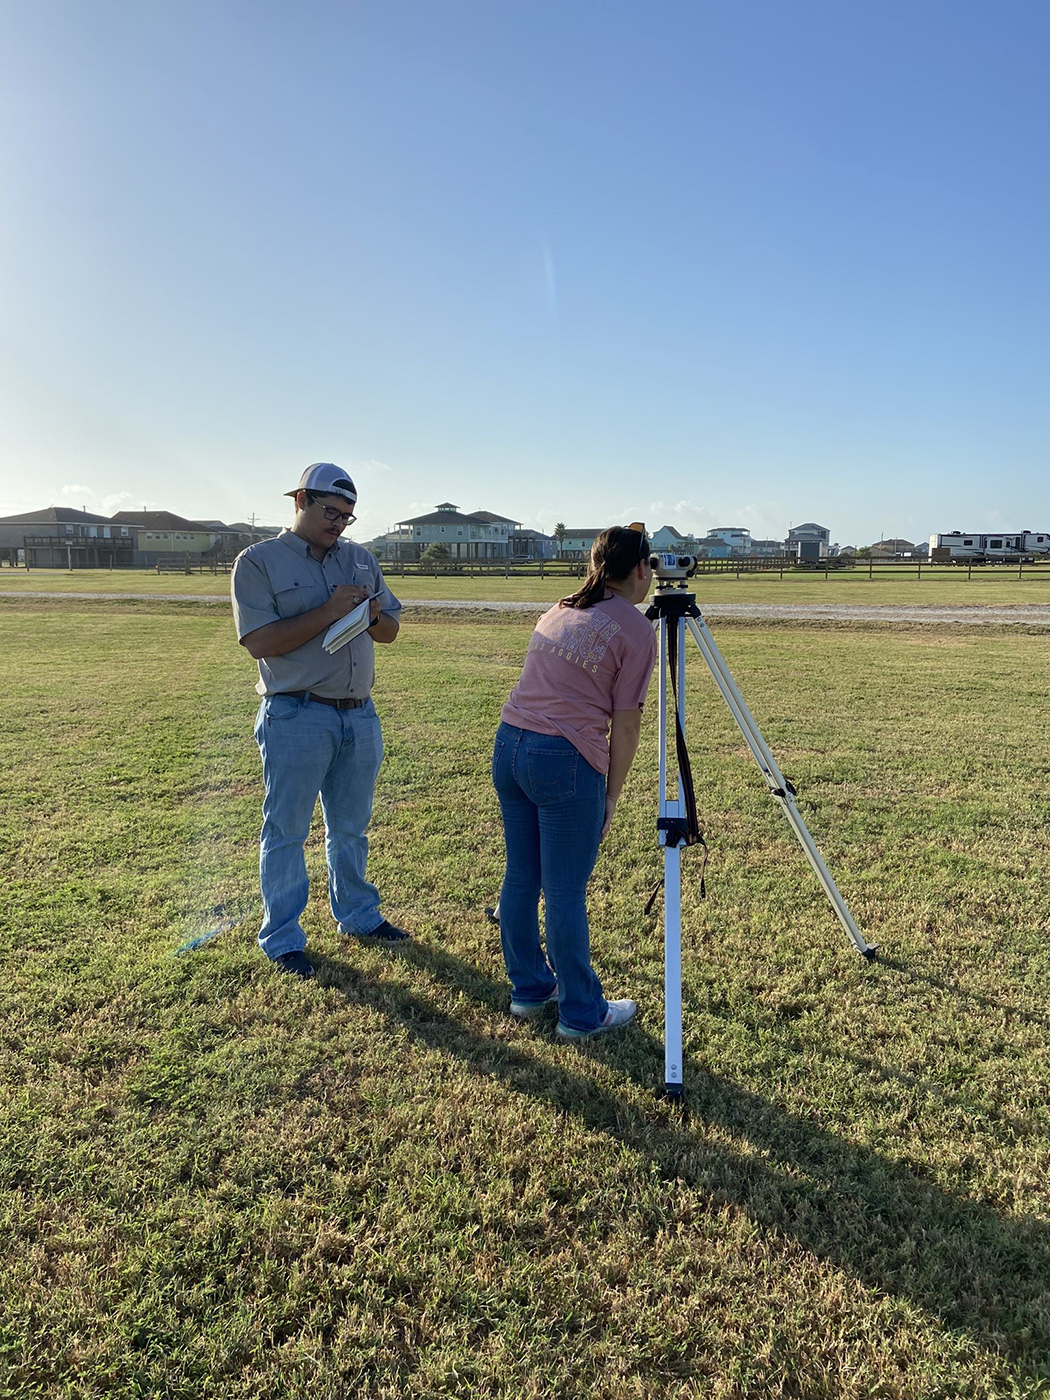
[887, 1223]
[949, 989]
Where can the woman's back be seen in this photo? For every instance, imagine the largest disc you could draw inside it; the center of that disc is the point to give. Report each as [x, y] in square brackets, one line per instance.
[581, 665]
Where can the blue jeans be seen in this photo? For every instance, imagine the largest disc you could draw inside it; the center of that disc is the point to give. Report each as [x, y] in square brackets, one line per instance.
[309, 750]
[553, 805]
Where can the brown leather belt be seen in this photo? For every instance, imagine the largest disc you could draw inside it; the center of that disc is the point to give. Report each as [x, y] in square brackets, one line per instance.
[350, 703]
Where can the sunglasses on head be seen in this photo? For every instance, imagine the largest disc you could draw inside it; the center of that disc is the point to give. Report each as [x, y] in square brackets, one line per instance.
[644, 549]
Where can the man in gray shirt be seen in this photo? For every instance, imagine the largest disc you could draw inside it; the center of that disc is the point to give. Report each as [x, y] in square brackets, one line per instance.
[317, 728]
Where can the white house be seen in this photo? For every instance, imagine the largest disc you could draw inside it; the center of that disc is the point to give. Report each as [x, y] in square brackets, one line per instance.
[737, 539]
[809, 541]
[808, 532]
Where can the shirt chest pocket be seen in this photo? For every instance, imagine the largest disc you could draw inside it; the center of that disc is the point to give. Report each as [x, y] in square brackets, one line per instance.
[296, 590]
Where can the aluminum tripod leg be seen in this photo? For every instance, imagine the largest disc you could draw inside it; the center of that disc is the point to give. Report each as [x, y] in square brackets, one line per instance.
[778, 787]
[673, 1082]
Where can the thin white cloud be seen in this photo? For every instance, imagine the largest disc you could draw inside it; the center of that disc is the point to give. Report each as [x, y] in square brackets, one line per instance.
[117, 500]
[544, 521]
[686, 516]
[367, 526]
[87, 498]
[765, 520]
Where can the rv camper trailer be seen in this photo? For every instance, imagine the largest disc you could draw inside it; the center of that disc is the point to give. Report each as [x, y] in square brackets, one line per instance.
[995, 548]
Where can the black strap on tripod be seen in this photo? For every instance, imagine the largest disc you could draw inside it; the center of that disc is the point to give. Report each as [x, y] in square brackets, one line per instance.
[680, 831]
[693, 835]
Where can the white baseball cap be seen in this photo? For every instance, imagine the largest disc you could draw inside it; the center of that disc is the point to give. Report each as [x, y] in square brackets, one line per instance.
[326, 477]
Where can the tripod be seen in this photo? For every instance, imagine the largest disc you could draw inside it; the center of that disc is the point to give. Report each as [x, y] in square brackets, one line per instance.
[672, 611]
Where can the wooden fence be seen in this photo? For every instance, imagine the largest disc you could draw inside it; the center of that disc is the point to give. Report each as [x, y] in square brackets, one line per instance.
[781, 566]
[190, 564]
[559, 568]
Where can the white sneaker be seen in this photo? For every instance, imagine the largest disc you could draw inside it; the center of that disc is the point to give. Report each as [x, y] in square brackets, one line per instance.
[526, 1010]
[618, 1014]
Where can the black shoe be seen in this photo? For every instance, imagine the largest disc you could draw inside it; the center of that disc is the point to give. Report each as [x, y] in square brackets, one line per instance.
[297, 963]
[385, 933]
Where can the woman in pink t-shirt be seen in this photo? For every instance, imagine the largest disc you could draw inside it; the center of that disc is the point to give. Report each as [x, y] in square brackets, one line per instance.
[567, 737]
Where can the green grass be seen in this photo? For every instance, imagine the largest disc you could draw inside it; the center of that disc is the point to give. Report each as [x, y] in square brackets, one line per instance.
[216, 1182]
[987, 587]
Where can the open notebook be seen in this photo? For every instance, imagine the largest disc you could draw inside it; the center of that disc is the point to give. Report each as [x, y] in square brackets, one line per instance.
[348, 627]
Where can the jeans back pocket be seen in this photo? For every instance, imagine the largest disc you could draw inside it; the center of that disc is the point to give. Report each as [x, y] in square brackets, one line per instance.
[552, 773]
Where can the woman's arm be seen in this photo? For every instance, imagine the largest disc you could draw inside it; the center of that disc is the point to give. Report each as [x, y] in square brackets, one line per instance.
[623, 745]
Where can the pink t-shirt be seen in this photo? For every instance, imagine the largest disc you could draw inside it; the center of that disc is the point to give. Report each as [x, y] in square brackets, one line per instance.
[583, 663]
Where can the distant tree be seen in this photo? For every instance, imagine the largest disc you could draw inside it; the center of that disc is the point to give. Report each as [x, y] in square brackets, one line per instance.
[864, 552]
[435, 554]
[559, 531]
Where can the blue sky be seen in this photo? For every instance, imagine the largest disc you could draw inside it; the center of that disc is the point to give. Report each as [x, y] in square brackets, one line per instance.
[751, 262]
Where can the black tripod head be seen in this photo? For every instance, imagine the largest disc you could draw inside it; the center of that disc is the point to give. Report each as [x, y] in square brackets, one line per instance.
[672, 600]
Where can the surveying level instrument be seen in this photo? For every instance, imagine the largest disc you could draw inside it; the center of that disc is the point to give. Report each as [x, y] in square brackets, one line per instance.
[673, 609]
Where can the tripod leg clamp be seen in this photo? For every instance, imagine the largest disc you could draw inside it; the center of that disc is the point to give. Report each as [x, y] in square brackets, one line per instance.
[673, 831]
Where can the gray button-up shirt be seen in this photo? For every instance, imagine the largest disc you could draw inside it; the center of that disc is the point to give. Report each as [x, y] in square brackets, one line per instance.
[281, 578]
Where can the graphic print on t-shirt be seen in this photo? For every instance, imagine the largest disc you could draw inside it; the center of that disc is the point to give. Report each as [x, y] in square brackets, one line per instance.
[562, 636]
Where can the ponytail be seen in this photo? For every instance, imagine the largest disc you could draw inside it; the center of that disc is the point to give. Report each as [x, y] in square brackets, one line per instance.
[593, 590]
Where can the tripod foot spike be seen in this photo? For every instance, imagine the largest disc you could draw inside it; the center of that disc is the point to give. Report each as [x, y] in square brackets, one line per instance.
[674, 1094]
[869, 953]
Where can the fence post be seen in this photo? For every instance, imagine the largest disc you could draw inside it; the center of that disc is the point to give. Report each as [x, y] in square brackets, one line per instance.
[871, 564]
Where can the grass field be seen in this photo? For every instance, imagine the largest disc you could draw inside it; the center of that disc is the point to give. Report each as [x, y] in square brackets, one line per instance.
[220, 1183]
[988, 587]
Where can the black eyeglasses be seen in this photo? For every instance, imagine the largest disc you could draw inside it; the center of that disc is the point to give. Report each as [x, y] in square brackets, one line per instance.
[330, 513]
